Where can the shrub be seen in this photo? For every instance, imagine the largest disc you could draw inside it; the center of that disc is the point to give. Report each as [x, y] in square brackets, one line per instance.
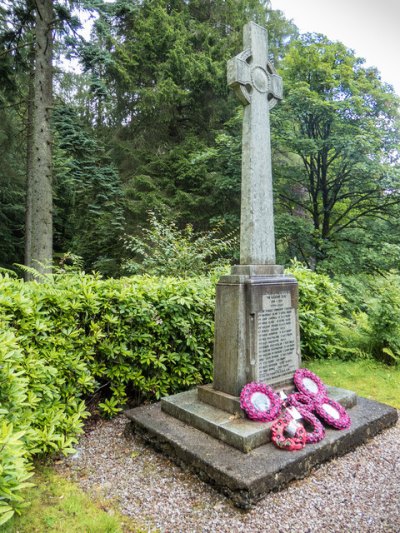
[14, 464]
[380, 323]
[74, 334]
[374, 305]
[79, 333]
[166, 250]
[14, 471]
[322, 322]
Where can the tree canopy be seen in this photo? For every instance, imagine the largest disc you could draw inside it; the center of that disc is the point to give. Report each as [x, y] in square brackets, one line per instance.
[145, 122]
[337, 134]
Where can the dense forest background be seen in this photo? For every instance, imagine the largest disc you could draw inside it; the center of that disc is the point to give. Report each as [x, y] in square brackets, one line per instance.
[141, 159]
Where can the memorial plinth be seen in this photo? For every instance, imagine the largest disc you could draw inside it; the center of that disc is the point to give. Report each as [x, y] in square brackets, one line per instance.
[256, 332]
[195, 409]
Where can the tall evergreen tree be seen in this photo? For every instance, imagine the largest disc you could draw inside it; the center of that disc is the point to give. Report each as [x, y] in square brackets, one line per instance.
[89, 205]
[39, 196]
[165, 69]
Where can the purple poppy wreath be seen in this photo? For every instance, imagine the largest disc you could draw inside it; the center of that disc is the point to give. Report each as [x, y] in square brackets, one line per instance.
[260, 402]
[333, 413]
[309, 384]
[318, 430]
[298, 399]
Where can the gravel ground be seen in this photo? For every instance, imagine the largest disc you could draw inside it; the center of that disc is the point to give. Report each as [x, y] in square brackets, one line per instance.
[359, 492]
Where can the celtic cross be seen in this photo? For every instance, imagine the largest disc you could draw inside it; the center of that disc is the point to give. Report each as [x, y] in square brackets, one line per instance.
[258, 87]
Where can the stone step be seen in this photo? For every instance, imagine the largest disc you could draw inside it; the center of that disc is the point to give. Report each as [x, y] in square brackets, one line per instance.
[241, 433]
[246, 477]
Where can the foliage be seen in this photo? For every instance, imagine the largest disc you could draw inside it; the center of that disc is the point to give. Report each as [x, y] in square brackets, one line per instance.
[37, 412]
[148, 334]
[14, 467]
[322, 324]
[165, 71]
[14, 471]
[166, 250]
[72, 335]
[338, 134]
[11, 188]
[371, 247]
[89, 197]
[375, 306]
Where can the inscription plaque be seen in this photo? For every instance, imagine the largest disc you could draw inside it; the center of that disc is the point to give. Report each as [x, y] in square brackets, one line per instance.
[276, 338]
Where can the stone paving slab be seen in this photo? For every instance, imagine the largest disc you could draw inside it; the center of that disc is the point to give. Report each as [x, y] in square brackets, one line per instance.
[246, 477]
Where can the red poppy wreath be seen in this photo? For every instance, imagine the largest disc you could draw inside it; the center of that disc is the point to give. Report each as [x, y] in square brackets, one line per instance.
[281, 438]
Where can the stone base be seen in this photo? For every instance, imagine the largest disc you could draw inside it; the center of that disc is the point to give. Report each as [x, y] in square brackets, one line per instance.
[246, 478]
[234, 429]
[256, 329]
[227, 402]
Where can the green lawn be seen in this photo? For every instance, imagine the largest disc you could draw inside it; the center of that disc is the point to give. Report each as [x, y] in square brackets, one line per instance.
[367, 378]
[59, 506]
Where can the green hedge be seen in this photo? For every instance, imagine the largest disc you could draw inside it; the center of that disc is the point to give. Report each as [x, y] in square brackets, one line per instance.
[151, 335]
[77, 336]
[64, 340]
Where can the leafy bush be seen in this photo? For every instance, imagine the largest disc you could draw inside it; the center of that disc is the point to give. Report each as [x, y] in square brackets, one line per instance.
[73, 335]
[356, 290]
[375, 308]
[14, 465]
[373, 305]
[166, 250]
[323, 326]
[14, 471]
[80, 333]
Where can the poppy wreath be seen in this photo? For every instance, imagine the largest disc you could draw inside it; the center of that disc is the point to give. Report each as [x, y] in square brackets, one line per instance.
[278, 437]
[318, 431]
[251, 410]
[300, 400]
[343, 422]
[300, 375]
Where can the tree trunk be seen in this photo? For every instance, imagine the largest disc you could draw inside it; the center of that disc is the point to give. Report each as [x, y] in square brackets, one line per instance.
[29, 159]
[39, 208]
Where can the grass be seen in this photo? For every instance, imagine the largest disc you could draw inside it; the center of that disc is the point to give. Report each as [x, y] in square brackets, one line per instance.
[57, 505]
[366, 377]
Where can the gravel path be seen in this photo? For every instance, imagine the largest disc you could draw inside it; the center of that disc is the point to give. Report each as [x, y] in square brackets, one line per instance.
[359, 492]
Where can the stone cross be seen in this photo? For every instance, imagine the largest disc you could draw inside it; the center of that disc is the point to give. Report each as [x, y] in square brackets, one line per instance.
[258, 87]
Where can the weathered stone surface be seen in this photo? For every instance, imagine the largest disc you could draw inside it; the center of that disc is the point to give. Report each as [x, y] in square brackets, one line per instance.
[230, 338]
[257, 270]
[246, 478]
[258, 87]
[256, 332]
[219, 399]
[254, 339]
[234, 429]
